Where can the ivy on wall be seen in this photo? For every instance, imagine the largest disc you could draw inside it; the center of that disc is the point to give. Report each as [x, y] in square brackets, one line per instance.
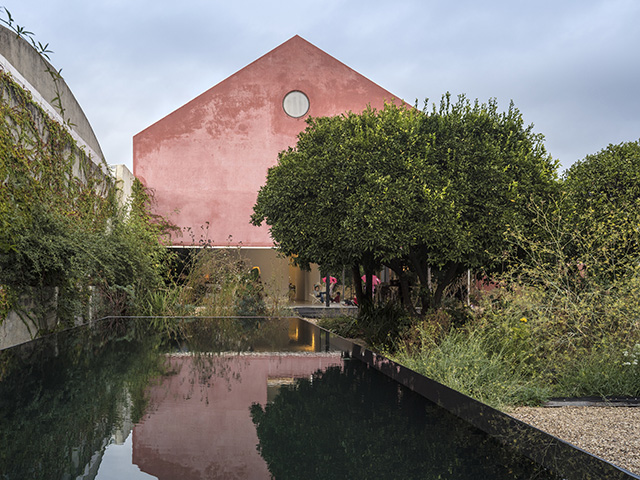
[61, 227]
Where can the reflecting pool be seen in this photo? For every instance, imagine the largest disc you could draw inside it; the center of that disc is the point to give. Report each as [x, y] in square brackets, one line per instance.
[226, 398]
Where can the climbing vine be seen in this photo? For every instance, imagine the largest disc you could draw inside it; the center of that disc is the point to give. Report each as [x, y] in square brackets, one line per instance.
[62, 229]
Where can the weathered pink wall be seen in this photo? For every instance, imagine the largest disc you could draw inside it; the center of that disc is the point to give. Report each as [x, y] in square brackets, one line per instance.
[207, 160]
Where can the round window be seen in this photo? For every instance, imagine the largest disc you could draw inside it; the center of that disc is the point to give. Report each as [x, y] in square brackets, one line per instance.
[295, 104]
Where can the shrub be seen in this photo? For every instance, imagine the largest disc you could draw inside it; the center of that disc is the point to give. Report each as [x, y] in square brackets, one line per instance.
[382, 325]
[346, 326]
[216, 282]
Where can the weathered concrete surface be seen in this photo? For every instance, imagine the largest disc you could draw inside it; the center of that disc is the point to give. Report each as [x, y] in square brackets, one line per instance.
[35, 313]
[124, 183]
[29, 69]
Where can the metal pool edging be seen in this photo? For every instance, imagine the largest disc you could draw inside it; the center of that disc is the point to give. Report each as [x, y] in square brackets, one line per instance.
[559, 456]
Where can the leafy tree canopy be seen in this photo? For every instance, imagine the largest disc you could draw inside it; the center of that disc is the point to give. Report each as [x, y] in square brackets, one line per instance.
[407, 189]
[609, 178]
[602, 202]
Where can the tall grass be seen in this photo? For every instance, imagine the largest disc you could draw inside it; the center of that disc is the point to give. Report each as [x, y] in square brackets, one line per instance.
[525, 343]
[559, 324]
[470, 361]
[216, 282]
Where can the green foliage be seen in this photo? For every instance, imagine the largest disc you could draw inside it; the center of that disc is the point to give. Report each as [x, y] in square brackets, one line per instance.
[382, 324]
[379, 325]
[607, 371]
[491, 368]
[555, 326]
[138, 262]
[345, 326]
[407, 189]
[609, 178]
[490, 166]
[312, 196]
[61, 226]
[572, 348]
[493, 166]
[216, 282]
[582, 306]
[603, 204]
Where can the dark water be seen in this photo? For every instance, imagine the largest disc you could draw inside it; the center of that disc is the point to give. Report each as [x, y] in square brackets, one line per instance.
[230, 399]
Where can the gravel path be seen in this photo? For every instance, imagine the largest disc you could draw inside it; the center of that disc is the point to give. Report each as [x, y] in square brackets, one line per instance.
[611, 433]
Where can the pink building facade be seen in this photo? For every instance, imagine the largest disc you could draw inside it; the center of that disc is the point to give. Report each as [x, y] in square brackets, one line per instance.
[207, 160]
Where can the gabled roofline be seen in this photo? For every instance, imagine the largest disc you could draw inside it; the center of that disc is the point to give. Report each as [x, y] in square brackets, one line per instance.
[295, 38]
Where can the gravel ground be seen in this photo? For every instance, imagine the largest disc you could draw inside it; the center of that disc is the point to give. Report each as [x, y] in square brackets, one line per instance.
[611, 433]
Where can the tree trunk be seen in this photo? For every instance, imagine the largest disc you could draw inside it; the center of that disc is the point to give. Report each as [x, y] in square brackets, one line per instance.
[357, 283]
[405, 290]
[420, 267]
[327, 284]
[450, 273]
[369, 285]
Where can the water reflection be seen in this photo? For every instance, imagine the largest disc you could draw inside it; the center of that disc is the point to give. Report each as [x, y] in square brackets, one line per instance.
[567, 461]
[353, 422]
[199, 425]
[197, 403]
[70, 402]
[64, 398]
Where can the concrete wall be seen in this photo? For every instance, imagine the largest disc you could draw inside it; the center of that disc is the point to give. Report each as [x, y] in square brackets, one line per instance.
[277, 273]
[124, 183]
[34, 313]
[29, 69]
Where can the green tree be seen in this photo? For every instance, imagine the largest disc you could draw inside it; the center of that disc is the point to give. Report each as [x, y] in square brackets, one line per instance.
[314, 195]
[492, 166]
[407, 189]
[603, 203]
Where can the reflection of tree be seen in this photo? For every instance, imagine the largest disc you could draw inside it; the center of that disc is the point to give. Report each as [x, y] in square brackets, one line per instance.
[63, 397]
[356, 423]
[234, 334]
[210, 342]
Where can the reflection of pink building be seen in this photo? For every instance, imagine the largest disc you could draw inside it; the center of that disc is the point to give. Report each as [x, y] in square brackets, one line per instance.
[199, 425]
[207, 160]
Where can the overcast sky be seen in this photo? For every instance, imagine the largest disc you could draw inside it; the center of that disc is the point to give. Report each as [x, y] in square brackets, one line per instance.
[571, 67]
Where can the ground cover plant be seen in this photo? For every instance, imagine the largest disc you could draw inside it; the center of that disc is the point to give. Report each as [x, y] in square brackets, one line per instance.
[519, 345]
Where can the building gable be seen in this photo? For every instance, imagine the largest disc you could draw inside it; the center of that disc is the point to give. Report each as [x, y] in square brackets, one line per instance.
[207, 160]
